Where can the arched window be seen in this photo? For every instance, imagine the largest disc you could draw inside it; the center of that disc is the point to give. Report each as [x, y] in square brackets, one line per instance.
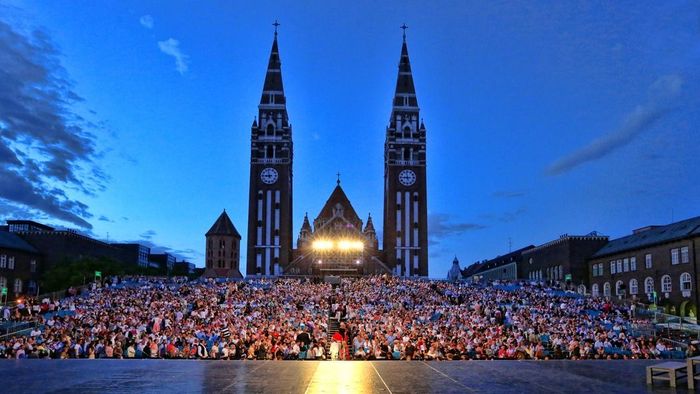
[270, 130]
[649, 285]
[618, 288]
[606, 289]
[561, 272]
[269, 152]
[686, 284]
[18, 286]
[666, 286]
[582, 289]
[3, 281]
[222, 244]
[406, 132]
[634, 287]
[594, 290]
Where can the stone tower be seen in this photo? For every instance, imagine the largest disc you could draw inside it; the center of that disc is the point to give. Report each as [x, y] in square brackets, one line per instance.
[270, 199]
[223, 249]
[405, 190]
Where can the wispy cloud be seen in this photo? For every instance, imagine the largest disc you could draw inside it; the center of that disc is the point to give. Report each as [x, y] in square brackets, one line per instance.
[443, 225]
[148, 235]
[171, 47]
[45, 146]
[146, 21]
[661, 92]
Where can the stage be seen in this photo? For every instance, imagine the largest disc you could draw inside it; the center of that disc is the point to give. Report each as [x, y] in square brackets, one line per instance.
[153, 376]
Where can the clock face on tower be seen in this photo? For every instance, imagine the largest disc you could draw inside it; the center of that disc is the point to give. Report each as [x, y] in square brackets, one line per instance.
[268, 175]
[407, 177]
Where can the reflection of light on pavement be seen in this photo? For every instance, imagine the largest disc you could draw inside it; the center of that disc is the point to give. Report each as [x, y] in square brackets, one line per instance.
[341, 377]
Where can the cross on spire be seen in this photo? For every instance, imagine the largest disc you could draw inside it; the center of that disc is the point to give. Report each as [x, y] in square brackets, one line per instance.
[275, 25]
[338, 181]
[404, 27]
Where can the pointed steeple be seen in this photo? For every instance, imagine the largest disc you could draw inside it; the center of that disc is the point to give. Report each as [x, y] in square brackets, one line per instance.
[273, 89]
[306, 226]
[223, 226]
[370, 233]
[405, 95]
[369, 227]
[305, 232]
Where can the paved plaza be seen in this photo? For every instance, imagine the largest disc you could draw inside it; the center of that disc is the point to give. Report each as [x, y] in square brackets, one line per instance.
[153, 376]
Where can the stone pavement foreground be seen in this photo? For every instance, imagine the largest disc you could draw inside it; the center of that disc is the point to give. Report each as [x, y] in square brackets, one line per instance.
[192, 376]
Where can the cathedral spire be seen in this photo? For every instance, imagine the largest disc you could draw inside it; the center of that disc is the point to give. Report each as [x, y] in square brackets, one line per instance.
[273, 89]
[405, 95]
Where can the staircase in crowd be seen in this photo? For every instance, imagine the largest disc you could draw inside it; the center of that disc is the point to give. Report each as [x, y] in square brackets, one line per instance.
[333, 327]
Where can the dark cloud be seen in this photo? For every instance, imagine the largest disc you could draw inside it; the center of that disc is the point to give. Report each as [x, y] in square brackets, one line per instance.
[508, 194]
[637, 121]
[148, 235]
[104, 218]
[46, 148]
[443, 225]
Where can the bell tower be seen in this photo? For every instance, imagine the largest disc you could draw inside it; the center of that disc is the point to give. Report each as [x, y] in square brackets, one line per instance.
[270, 200]
[405, 240]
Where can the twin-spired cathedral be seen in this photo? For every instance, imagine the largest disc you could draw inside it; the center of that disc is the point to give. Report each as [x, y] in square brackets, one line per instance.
[337, 241]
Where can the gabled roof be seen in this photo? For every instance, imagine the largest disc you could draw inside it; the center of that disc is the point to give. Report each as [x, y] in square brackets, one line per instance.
[338, 197]
[13, 241]
[223, 226]
[652, 235]
[471, 270]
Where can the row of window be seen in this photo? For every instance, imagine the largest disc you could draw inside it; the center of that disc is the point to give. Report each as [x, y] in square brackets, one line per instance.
[629, 264]
[680, 255]
[8, 262]
[685, 279]
[623, 265]
[18, 285]
[551, 273]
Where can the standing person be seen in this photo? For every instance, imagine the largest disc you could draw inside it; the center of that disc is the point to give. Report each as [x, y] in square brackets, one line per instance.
[304, 340]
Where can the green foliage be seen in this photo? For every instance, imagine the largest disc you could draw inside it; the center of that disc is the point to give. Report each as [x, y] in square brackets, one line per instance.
[80, 271]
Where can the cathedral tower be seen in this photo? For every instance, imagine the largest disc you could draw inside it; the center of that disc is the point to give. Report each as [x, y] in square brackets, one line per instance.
[405, 197]
[270, 200]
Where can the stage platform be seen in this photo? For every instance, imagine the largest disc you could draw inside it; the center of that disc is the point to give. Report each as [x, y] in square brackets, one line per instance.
[190, 376]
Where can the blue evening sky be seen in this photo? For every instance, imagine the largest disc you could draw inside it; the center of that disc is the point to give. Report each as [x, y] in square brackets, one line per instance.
[543, 117]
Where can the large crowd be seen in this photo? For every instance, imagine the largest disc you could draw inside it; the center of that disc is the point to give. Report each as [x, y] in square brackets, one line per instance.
[375, 318]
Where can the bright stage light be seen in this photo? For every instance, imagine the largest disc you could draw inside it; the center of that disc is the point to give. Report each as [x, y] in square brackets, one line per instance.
[322, 244]
[344, 245]
[348, 245]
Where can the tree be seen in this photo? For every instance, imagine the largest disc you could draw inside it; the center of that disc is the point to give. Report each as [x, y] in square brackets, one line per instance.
[79, 271]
